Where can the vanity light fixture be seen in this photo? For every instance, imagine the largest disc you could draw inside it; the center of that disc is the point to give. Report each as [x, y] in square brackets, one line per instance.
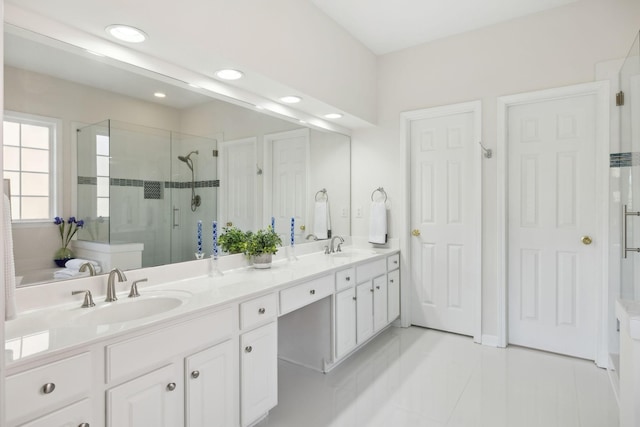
[333, 116]
[291, 99]
[229, 74]
[160, 95]
[126, 33]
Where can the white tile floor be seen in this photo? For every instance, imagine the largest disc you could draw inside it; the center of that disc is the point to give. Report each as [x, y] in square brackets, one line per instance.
[423, 378]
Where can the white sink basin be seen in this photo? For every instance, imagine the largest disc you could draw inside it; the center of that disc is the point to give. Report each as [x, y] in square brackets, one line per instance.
[352, 253]
[128, 309]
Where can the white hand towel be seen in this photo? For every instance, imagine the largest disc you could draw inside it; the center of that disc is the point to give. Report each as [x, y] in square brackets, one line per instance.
[322, 220]
[75, 264]
[9, 265]
[378, 223]
[67, 273]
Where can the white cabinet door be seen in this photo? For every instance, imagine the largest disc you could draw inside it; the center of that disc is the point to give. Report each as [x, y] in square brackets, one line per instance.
[393, 292]
[379, 303]
[211, 387]
[154, 399]
[71, 416]
[345, 322]
[364, 311]
[259, 372]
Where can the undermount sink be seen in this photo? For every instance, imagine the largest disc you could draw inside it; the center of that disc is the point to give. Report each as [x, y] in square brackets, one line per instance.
[126, 310]
[350, 253]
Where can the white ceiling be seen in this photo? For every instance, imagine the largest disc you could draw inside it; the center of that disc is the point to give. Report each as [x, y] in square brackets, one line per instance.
[386, 26]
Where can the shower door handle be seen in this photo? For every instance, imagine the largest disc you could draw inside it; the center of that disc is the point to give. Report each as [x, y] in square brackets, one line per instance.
[175, 224]
[626, 214]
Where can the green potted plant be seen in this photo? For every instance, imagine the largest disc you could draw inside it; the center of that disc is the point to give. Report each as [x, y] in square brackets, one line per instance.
[233, 240]
[261, 246]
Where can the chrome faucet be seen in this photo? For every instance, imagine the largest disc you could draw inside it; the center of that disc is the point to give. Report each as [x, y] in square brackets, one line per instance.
[338, 248]
[111, 286]
[88, 265]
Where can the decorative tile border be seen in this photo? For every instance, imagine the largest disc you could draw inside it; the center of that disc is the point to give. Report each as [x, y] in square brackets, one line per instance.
[120, 182]
[621, 160]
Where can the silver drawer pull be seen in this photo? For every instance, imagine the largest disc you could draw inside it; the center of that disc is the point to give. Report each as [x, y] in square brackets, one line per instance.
[312, 291]
[171, 386]
[48, 388]
[347, 278]
[195, 374]
[262, 311]
[248, 349]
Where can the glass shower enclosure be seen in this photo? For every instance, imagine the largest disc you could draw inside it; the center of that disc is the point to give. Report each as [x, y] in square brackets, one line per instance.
[625, 194]
[138, 184]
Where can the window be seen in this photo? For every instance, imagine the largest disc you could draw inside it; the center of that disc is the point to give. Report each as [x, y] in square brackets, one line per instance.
[102, 175]
[29, 148]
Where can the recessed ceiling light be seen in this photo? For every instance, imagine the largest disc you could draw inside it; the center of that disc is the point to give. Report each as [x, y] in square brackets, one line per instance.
[291, 99]
[126, 33]
[160, 95]
[229, 74]
[333, 116]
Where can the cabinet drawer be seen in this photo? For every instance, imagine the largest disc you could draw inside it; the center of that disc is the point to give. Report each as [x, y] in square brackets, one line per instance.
[305, 293]
[258, 310]
[72, 415]
[125, 358]
[345, 279]
[393, 262]
[69, 378]
[370, 270]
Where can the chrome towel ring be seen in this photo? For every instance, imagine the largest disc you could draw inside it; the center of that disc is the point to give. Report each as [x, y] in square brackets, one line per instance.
[379, 190]
[322, 193]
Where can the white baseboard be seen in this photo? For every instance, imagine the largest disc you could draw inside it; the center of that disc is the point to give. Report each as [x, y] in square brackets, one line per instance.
[490, 340]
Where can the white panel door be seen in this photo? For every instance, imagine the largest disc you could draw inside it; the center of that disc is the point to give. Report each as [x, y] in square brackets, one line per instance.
[238, 201]
[289, 180]
[445, 218]
[552, 274]
[212, 387]
[259, 372]
[154, 399]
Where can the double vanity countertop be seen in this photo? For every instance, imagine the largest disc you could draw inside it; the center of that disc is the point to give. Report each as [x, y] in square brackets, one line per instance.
[189, 289]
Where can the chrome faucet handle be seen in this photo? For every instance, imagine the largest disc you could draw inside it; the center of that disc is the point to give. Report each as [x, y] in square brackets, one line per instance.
[339, 248]
[134, 288]
[88, 299]
[88, 265]
[326, 250]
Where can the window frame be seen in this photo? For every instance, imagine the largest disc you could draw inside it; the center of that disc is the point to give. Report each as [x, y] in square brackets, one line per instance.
[55, 163]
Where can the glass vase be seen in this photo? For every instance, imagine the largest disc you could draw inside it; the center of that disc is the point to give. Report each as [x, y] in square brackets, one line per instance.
[63, 255]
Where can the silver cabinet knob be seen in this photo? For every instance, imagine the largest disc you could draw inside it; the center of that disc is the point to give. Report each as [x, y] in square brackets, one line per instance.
[84, 425]
[171, 386]
[195, 374]
[378, 287]
[248, 349]
[354, 298]
[395, 261]
[371, 290]
[312, 291]
[262, 310]
[390, 280]
[48, 388]
[347, 278]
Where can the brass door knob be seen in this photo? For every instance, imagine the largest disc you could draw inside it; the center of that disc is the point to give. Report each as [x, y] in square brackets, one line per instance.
[415, 232]
[302, 227]
[586, 240]
[229, 224]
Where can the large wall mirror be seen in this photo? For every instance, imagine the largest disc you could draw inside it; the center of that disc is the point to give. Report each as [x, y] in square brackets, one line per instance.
[143, 170]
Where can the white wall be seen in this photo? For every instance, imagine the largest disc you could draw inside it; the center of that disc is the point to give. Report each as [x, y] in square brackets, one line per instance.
[554, 48]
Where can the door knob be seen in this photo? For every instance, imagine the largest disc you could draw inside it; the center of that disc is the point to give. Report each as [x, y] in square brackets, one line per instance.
[302, 227]
[415, 232]
[229, 224]
[586, 240]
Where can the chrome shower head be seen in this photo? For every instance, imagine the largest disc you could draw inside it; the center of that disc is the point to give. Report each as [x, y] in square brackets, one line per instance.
[187, 159]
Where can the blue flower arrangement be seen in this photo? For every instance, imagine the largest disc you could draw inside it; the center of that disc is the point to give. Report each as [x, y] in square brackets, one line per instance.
[67, 229]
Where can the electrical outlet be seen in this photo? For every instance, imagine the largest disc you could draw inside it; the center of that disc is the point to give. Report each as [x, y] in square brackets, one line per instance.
[359, 212]
[345, 212]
